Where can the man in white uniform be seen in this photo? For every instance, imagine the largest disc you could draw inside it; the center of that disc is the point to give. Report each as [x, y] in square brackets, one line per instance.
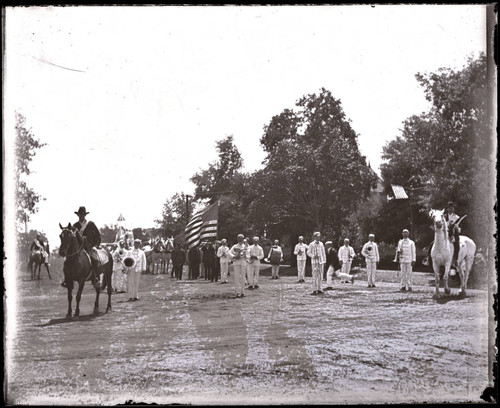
[223, 255]
[301, 252]
[316, 251]
[239, 256]
[256, 253]
[134, 273]
[346, 255]
[407, 256]
[370, 252]
[119, 278]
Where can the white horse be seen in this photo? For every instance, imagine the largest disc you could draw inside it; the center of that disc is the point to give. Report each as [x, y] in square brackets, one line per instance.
[158, 254]
[168, 248]
[442, 253]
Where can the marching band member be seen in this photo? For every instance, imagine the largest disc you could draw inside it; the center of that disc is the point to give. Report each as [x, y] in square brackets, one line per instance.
[275, 257]
[346, 255]
[118, 277]
[256, 253]
[316, 251]
[370, 252]
[300, 251]
[332, 261]
[407, 256]
[224, 257]
[239, 256]
[134, 273]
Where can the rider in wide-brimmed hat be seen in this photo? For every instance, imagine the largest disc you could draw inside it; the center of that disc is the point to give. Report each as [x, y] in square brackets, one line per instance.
[91, 239]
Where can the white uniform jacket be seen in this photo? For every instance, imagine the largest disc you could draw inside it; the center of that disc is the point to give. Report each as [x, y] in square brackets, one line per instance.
[407, 251]
[242, 250]
[346, 253]
[370, 254]
[223, 254]
[258, 252]
[140, 259]
[301, 247]
[316, 248]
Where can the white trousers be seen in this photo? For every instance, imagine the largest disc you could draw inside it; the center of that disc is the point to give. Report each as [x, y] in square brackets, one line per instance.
[346, 268]
[275, 269]
[119, 280]
[224, 267]
[371, 271]
[406, 275]
[329, 275]
[133, 283]
[253, 274]
[317, 276]
[239, 278]
[301, 269]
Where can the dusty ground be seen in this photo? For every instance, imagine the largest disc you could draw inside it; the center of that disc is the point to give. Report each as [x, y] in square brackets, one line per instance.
[195, 343]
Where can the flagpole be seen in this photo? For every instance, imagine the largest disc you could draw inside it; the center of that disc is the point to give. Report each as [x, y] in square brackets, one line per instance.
[187, 196]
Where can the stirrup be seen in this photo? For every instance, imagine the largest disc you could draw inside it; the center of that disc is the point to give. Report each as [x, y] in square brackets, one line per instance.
[425, 261]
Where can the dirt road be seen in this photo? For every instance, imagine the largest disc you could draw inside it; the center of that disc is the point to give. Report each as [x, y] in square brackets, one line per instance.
[195, 343]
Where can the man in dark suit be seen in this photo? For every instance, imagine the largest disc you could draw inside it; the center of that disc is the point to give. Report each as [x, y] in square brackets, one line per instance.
[194, 259]
[91, 239]
[178, 260]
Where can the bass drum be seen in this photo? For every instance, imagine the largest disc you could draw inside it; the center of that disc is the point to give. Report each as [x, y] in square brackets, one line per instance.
[275, 257]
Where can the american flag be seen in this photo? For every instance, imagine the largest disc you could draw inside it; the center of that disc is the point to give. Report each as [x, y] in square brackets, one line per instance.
[202, 226]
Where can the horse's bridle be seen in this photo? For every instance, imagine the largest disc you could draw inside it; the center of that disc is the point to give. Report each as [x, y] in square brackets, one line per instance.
[78, 250]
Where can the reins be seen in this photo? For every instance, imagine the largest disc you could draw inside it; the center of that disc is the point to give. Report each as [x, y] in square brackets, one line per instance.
[78, 250]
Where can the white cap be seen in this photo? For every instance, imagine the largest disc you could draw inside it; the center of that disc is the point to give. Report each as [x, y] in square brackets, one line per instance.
[405, 230]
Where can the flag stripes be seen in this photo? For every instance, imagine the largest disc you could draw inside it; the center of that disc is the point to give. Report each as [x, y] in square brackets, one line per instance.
[202, 226]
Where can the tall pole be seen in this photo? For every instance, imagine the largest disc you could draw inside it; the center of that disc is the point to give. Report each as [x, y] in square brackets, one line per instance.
[187, 196]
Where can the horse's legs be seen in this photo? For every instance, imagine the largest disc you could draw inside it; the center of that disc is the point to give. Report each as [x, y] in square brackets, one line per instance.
[47, 267]
[78, 297]
[96, 303]
[437, 275]
[39, 268]
[69, 286]
[108, 277]
[445, 277]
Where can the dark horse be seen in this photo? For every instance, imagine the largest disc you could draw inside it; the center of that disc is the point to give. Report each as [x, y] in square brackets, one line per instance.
[77, 267]
[36, 260]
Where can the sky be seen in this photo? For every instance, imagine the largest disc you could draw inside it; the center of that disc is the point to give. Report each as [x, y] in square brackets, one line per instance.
[131, 100]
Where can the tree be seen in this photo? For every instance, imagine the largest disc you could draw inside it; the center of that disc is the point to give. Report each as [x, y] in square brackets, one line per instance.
[314, 175]
[225, 176]
[443, 150]
[219, 175]
[26, 147]
[173, 219]
[108, 233]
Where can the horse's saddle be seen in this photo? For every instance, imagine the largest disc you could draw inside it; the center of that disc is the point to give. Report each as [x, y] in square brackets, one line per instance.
[100, 254]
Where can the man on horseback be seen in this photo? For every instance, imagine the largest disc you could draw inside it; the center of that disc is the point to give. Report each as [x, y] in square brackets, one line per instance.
[453, 231]
[91, 239]
[39, 245]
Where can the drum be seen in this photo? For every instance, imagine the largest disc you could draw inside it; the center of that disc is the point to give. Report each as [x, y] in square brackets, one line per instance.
[275, 257]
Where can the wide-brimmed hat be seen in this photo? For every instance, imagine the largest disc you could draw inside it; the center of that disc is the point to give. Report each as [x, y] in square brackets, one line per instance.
[451, 204]
[81, 210]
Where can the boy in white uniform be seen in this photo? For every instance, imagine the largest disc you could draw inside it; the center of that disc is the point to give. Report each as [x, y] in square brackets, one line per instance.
[370, 252]
[407, 257]
[223, 255]
[301, 252]
[256, 253]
